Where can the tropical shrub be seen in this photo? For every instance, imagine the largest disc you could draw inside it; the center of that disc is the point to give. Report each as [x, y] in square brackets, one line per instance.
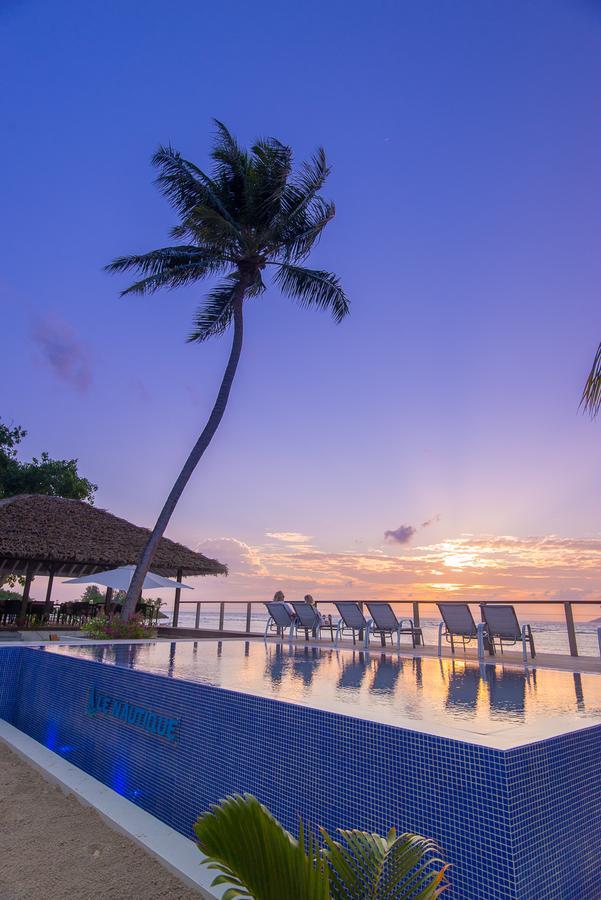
[254, 854]
[105, 628]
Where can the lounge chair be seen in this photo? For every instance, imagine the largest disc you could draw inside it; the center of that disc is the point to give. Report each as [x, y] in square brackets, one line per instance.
[502, 625]
[353, 620]
[280, 618]
[311, 620]
[458, 622]
[385, 623]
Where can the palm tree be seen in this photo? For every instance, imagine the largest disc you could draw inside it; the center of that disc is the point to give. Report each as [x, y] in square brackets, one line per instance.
[591, 395]
[252, 215]
[257, 858]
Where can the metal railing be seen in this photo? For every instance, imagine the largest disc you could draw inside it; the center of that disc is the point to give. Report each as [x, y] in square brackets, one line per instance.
[415, 604]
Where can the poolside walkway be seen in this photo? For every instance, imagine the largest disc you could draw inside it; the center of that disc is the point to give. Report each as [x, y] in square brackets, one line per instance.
[53, 847]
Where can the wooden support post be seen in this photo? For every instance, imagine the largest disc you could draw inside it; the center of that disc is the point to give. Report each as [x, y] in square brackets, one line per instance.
[249, 607]
[26, 589]
[108, 599]
[221, 615]
[178, 593]
[48, 602]
[197, 621]
[416, 614]
[571, 630]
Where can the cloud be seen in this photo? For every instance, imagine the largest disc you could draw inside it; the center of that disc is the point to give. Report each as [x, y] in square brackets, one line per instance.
[63, 351]
[478, 567]
[289, 537]
[431, 521]
[400, 535]
[240, 558]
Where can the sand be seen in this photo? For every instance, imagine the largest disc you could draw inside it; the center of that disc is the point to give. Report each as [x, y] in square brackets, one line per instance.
[53, 847]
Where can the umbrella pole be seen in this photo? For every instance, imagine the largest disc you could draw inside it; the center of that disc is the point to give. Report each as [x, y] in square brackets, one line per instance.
[178, 593]
[107, 600]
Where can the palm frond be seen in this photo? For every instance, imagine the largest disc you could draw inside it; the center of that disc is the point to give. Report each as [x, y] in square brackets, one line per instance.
[216, 311]
[167, 267]
[370, 866]
[313, 287]
[297, 238]
[591, 395]
[251, 852]
[187, 186]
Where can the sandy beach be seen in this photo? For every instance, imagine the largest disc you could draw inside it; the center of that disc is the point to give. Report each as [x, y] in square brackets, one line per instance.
[53, 847]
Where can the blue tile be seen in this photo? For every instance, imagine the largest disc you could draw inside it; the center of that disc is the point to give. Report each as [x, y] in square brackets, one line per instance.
[523, 823]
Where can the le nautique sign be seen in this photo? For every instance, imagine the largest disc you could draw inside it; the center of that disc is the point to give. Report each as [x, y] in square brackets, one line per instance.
[153, 723]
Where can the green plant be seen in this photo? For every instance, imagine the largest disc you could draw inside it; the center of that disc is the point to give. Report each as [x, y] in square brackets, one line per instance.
[92, 594]
[56, 477]
[256, 856]
[104, 628]
[251, 215]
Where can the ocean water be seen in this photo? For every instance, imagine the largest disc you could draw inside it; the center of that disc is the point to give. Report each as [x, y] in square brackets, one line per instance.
[549, 637]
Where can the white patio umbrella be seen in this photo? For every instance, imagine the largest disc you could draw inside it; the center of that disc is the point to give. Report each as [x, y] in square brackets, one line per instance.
[120, 579]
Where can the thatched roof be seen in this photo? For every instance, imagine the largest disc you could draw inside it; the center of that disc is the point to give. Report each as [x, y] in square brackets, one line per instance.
[73, 538]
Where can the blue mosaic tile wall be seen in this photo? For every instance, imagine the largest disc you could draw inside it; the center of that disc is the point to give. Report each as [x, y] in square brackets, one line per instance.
[516, 824]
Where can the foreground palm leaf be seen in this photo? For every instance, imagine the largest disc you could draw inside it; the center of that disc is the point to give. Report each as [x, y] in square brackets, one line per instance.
[591, 396]
[252, 215]
[259, 859]
[256, 856]
[370, 867]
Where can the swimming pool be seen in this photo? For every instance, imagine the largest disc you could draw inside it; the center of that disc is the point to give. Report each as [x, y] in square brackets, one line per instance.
[499, 706]
[463, 755]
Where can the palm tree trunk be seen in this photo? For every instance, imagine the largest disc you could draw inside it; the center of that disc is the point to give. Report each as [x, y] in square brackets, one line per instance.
[194, 458]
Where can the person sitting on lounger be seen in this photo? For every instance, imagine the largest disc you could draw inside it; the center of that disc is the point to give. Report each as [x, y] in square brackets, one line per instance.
[278, 597]
[311, 602]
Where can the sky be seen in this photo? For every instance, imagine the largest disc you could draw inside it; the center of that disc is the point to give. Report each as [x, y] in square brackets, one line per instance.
[430, 445]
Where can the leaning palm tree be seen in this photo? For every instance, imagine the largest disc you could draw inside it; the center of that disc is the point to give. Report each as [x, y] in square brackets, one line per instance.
[591, 396]
[256, 857]
[252, 215]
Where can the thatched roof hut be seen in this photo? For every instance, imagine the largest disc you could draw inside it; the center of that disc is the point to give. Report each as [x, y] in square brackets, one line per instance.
[41, 535]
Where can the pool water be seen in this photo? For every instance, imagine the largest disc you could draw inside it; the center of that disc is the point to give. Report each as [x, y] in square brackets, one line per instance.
[498, 705]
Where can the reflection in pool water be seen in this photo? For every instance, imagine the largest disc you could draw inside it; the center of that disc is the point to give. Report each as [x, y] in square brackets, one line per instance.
[376, 685]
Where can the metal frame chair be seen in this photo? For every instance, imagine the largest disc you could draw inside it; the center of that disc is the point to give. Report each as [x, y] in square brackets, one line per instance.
[458, 622]
[280, 618]
[353, 620]
[384, 622]
[310, 620]
[502, 624]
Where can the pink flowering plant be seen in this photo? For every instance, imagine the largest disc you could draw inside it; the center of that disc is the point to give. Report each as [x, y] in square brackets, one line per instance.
[104, 628]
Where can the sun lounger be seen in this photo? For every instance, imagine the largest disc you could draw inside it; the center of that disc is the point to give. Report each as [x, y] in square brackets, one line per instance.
[458, 623]
[280, 618]
[502, 625]
[385, 624]
[311, 620]
[353, 620]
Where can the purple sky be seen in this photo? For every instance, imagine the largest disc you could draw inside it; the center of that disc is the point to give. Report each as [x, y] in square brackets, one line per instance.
[465, 141]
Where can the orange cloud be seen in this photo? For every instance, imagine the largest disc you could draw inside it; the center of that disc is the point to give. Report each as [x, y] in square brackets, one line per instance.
[478, 567]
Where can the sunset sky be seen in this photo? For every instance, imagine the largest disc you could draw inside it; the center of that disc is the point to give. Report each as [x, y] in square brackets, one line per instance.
[431, 445]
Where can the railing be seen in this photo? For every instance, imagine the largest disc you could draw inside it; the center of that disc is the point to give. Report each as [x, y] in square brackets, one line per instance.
[416, 604]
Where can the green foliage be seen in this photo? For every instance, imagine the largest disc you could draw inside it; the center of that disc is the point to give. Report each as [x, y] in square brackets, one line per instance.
[591, 396]
[254, 854]
[103, 628]
[259, 859]
[55, 477]
[253, 211]
[370, 867]
[9, 595]
[92, 594]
